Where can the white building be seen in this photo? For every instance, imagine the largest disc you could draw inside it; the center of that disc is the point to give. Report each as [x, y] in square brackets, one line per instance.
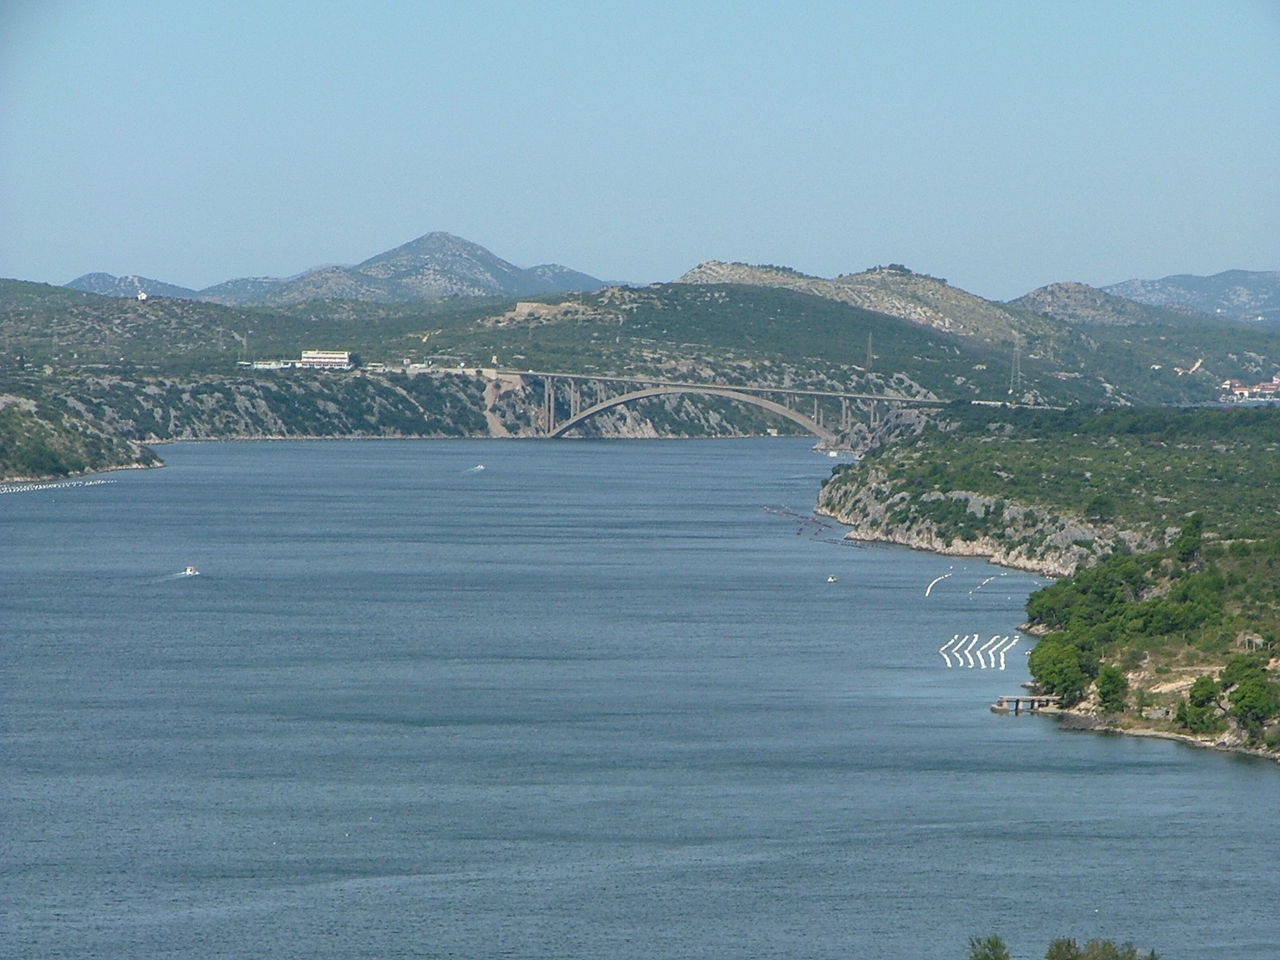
[326, 359]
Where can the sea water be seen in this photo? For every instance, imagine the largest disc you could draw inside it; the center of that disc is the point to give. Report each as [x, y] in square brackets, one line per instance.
[592, 701]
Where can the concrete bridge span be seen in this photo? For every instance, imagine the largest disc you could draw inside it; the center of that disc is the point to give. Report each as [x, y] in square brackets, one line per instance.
[817, 429]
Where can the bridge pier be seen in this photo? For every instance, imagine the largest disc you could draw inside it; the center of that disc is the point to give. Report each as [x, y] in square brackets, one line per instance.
[549, 403]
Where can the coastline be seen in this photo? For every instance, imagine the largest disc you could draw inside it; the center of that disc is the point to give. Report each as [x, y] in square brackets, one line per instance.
[980, 548]
[1071, 720]
[79, 477]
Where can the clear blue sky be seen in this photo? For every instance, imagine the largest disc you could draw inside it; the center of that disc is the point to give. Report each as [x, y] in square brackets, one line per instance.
[1002, 145]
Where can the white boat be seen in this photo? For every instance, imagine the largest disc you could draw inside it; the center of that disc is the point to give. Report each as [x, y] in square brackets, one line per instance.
[190, 572]
[831, 579]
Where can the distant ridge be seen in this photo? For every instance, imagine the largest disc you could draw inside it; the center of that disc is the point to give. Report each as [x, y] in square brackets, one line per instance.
[1249, 295]
[434, 265]
[106, 285]
[893, 290]
[1080, 303]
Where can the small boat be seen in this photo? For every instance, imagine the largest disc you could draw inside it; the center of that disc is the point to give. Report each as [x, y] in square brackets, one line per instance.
[190, 572]
[831, 579]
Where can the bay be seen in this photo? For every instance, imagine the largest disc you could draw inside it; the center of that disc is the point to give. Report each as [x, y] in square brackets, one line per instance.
[589, 701]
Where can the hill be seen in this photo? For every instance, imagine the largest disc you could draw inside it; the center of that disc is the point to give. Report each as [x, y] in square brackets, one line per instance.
[434, 265]
[106, 285]
[41, 436]
[1131, 352]
[168, 368]
[1052, 489]
[727, 331]
[893, 290]
[1163, 524]
[1077, 346]
[1078, 303]
[1247, 295]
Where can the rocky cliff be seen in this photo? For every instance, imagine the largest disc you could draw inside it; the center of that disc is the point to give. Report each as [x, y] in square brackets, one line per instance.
[969, 524]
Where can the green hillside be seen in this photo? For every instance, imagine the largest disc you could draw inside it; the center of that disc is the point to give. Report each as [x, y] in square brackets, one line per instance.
[45, 438]
[752, 332]
[1170, 520]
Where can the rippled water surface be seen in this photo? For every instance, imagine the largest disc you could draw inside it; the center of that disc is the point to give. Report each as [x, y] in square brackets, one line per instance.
[591, 701]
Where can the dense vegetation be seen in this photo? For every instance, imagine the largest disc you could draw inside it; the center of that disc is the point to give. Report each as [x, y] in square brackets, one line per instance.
[1209, 611]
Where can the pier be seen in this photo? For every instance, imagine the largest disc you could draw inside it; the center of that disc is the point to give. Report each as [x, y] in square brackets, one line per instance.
[1031, 702]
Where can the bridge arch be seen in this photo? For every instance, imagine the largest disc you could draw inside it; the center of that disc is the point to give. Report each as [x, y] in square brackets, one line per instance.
[817, 429]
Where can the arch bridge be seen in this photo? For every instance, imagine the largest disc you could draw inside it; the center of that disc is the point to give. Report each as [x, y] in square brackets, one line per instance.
[638, 388]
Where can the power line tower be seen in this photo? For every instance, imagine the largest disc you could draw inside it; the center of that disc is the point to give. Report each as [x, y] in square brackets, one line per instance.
[1015, 370]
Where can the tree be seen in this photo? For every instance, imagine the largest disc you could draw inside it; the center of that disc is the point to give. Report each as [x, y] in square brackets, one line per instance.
[1055, 665]
[1204, 692]
[1101, 507]
[1187, 545]
[1252, 702]
[1243, 666]
[987, 948]
[1113, 688]
[1109, 950]
[1064, 948]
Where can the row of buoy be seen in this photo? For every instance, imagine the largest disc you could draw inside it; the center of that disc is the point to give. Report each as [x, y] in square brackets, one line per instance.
[50, 485]
[985, 582]
[962, 648]
[936, 580]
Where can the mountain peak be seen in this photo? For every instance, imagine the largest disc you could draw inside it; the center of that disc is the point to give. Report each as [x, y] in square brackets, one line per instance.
[436, 264]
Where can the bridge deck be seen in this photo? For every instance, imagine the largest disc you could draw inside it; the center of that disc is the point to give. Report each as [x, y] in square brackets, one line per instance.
[686, 385]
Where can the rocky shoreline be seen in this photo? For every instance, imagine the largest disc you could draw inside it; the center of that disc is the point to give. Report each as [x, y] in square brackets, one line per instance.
[929, 541]
[879, 508]
[1088, 722]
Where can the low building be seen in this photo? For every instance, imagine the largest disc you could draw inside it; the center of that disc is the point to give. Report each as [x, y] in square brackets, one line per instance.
[326, 360]
[1267, 390]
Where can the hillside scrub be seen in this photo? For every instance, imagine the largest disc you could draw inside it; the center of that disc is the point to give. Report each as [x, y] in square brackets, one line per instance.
[1048, 490]
[45, 440]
